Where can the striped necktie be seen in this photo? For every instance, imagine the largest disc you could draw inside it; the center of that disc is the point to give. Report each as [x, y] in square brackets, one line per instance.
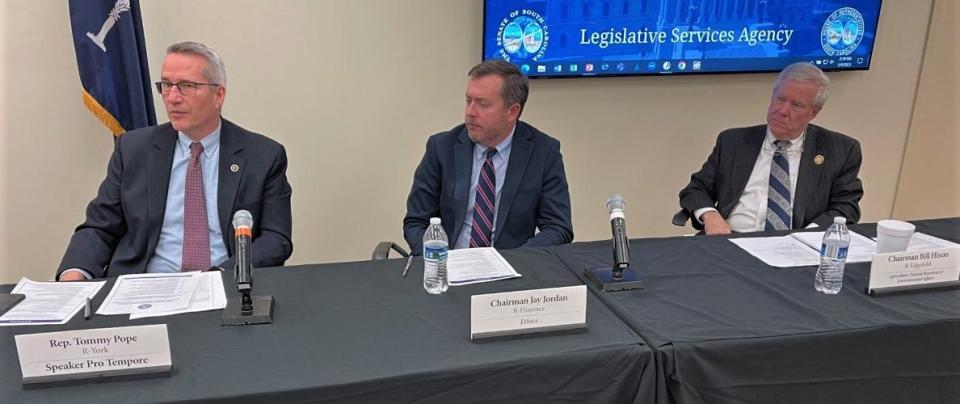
[196, 236]
[484, 204]
[779, 203]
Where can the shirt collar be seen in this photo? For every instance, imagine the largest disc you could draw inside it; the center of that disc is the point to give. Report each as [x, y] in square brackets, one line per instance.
[210, 142]
[795, 144]
[481, 150]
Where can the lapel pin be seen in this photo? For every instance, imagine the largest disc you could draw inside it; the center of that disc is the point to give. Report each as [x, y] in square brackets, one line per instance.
[818, 159]
[236, 167]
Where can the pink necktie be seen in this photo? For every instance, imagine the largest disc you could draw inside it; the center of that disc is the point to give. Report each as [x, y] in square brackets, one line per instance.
[196, 239]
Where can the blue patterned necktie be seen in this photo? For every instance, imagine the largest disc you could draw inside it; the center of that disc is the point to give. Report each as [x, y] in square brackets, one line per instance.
[484, 204]
[779, 203]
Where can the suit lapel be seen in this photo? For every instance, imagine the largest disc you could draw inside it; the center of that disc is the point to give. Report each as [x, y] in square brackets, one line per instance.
[463, 167]
[158, 175]
[520, 152]
[745, 157]
[808, 177]
[231, 169]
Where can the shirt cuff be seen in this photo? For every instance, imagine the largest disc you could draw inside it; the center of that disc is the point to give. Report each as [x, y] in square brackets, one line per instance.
[81, 271]
[812, 225]
[699, 212]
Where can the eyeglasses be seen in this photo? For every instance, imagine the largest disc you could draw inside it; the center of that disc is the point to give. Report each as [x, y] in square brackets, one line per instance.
[185, 87]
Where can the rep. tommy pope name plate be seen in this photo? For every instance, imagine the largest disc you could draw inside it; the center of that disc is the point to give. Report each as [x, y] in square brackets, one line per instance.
[909, 270]
[70, 356]
[528, 311]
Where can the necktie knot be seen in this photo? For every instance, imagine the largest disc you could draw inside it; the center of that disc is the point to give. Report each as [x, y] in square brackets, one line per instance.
[491, 152]
[196, 149]
[781, 146]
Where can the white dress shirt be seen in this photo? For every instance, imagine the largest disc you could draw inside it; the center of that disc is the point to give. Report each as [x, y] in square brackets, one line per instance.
[750, 213]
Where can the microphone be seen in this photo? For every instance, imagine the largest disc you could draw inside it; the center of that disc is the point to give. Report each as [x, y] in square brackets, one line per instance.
[243, 230]
[248, 309]
[618, 226]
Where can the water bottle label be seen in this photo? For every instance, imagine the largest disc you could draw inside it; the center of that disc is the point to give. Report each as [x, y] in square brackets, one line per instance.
[834, 251]
[434, 253]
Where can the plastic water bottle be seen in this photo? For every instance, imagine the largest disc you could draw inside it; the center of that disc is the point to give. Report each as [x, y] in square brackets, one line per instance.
[833, 257]
[435, 258]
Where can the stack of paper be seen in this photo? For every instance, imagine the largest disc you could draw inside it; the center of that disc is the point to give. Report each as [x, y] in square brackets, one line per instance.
[802, 249]
[49, 302]
[151, 295]
[476, 265]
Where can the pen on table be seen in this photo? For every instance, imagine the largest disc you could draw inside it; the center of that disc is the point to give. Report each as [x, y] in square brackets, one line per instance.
[86, 309]
[407, 267]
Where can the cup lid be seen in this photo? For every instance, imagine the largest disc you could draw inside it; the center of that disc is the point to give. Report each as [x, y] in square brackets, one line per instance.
[895, 228]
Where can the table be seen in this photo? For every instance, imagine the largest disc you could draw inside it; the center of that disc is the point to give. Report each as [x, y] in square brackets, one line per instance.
[358, 332]
[728, 328]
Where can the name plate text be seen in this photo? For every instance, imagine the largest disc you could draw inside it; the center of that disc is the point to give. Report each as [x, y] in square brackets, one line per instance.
[914, 269]
[528, 311]
[55, 357]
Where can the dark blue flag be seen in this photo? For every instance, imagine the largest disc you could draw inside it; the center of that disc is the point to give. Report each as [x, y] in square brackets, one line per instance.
[112, 58]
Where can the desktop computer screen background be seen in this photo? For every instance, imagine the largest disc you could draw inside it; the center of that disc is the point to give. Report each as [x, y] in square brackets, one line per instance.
[569, 38]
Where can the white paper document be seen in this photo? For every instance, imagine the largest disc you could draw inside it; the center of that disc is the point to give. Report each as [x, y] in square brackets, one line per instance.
[861, 248]
[49, 302]
[781, 252]
[922, 241]
[150, 293]
[802, 249]
[209, 295]
[476, 265]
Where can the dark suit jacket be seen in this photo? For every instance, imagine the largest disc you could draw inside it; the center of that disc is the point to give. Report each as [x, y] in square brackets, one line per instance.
[124, 220]
[534, 194]
[824, 190]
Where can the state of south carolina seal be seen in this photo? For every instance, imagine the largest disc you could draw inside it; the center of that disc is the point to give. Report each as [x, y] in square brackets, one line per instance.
[842, 32]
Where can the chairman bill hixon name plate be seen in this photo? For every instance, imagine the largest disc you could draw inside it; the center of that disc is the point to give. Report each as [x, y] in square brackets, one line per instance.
[922, 269]
[528, 311]
[74, 356]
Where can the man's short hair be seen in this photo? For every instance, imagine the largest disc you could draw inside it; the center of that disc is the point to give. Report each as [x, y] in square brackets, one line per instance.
[805, 71]
[516, 87]
[215, 72]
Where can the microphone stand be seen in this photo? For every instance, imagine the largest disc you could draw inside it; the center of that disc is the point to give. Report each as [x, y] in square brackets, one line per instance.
[619, 276]
[247, 310]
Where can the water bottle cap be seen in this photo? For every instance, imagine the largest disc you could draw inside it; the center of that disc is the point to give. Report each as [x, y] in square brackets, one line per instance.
[434, 220]
[840, 220]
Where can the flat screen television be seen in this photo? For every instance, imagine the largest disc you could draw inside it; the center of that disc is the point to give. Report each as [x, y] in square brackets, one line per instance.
[576, 38]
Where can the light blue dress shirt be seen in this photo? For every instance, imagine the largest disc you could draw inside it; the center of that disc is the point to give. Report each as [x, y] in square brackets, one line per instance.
[169, 252]
[500, 170]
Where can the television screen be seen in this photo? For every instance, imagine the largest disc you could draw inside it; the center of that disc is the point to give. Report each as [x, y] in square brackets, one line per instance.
[573, 38]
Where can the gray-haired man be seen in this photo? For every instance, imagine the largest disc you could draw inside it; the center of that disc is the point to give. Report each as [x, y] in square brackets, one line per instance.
[171, 189]
[787, 174]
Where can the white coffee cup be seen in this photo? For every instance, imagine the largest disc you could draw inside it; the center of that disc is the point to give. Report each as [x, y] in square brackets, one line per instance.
[893, 236]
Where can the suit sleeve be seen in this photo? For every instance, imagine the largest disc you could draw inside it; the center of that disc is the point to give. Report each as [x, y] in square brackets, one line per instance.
[272, 243]
[424, 199]
[553, 213]
[701, 192]
[845, 191]
[94, 241]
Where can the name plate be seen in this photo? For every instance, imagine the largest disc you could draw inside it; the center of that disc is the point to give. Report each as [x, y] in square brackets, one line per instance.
[907, 270]
[56, 357]
[528, 311]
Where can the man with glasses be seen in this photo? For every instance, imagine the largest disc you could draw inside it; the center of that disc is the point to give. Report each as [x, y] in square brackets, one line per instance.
[787, 174]
[171, 190]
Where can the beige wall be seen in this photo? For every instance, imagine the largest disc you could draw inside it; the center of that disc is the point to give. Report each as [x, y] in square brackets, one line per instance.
[930, 179]
[353, 88]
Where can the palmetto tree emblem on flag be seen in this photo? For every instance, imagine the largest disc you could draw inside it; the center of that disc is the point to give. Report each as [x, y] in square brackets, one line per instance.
[112, 18]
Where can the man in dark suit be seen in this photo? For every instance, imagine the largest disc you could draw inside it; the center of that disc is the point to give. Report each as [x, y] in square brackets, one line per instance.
[167, 202]
[494, 180]
[787, 174]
